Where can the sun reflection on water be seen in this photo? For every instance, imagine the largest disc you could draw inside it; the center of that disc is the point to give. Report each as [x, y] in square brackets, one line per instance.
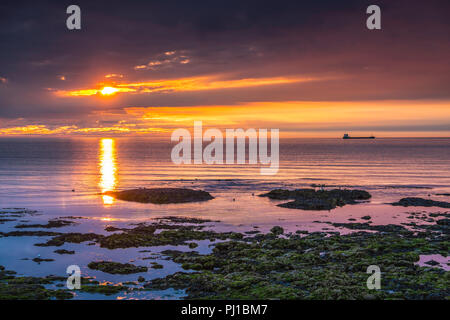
[108, 168]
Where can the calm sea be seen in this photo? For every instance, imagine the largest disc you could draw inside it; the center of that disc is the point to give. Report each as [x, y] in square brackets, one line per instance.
[37, 170]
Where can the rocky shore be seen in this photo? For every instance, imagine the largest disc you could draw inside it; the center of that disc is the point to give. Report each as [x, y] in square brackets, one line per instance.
[419, 202]
[252, 265]
[275, 265]
[311, 199]
[161, 195]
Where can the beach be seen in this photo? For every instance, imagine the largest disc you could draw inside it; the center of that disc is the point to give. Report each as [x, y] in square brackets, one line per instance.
[62, 179]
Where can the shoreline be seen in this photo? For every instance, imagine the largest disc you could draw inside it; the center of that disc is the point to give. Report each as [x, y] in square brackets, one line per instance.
[192, 250]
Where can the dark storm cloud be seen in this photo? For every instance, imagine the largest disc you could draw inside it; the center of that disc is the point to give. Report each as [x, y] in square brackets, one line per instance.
[407, 59]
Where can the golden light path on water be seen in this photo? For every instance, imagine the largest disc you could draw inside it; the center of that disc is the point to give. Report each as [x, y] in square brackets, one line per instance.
[108, 168]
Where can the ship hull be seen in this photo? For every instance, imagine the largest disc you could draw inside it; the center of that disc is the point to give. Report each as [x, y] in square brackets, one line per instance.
[358, 138]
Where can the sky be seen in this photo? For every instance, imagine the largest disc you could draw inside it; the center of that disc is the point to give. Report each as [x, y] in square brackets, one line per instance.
[308, 68]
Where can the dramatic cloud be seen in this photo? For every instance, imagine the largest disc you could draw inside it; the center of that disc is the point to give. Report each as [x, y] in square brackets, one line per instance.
[180, 85]
[216, 56]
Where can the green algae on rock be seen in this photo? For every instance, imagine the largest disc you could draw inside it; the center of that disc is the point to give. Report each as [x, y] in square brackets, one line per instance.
[316, 266]
[156, 265]
[277, 230]
[116, 267]
[192, 245]
[145, 236]
[161, 195]
[62, 238]
[29, 288]
[33, 288]
[141, 236]
[310, 199]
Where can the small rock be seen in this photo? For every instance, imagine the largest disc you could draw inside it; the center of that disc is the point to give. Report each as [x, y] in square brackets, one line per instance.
[277, 230]
[432, 263]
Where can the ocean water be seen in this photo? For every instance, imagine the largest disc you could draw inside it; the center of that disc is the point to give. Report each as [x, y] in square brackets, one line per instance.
[64, 177]
[38, 170]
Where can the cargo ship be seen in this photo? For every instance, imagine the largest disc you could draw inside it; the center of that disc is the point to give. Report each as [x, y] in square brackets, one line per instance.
[346, 136]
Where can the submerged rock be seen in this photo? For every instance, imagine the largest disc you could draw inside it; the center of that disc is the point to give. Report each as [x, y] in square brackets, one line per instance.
[419, 202]
[310, 199]
[174, 219]
[161, 195]
[156, 265]
[50, 224]
[38, 260]
[432, 263]
[64, 251]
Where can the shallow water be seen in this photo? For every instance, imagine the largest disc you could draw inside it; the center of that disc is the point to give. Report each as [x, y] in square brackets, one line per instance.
[63, 177]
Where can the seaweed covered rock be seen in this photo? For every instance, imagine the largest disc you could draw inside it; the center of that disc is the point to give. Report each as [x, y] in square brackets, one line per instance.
[310, 199]
[116, 267]
[419, 202]
[29, 288]
[141, 236]
[315, 266]
[161, 195]
[277, 230]
[73, 237]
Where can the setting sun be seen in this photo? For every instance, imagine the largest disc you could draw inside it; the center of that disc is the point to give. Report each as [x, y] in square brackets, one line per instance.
[108, 91]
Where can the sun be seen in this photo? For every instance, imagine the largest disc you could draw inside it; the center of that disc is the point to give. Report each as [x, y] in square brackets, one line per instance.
[106, 91]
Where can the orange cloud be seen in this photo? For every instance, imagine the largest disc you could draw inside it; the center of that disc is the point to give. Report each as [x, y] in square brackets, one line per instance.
[299, 117]
[89, 92]
[34, 130]
[186, 84]
[294, 118]
[168, 58]
[67, 130]
[114, 75]
[208, 83]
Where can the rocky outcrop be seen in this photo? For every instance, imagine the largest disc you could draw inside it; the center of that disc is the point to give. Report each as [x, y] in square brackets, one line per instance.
[310, 199]
[116, 267]
[161, 195]
[419, 202]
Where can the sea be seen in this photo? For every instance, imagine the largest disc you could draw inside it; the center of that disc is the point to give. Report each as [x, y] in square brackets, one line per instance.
[61, 177]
